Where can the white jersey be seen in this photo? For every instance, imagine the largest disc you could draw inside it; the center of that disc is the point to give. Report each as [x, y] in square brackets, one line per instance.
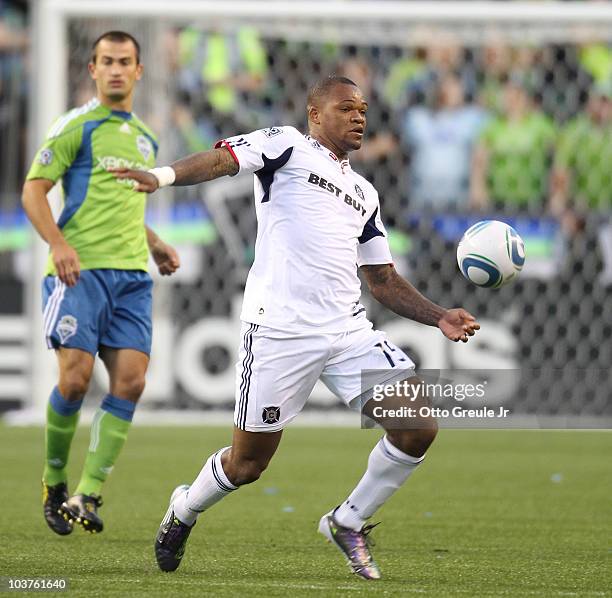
[318, 220]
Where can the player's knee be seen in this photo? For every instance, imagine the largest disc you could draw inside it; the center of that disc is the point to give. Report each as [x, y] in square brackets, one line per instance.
[74, 384]
[130, 388]
[243, 471]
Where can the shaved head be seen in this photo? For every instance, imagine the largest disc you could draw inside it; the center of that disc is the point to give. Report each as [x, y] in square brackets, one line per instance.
[320, 90]
[337, 114]
[117, 37]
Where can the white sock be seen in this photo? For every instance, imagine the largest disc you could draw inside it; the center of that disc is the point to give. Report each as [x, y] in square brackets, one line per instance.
[209, 488]
[388, 469]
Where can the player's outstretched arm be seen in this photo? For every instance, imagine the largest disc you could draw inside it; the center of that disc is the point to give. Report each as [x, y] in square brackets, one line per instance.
[397, 294]
[194, 169]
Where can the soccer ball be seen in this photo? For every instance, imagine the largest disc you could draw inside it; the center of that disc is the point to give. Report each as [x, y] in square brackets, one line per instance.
[490, 254]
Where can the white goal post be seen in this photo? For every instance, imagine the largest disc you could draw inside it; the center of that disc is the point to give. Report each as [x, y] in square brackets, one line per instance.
[386, 22]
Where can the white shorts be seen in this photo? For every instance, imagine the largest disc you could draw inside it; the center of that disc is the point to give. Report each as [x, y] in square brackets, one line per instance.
[276, 371]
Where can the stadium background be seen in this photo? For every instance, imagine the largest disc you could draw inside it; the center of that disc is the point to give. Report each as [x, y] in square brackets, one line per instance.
[512, 119]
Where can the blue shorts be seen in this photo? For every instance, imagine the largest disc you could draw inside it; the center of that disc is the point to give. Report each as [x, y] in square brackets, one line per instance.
[110, 308]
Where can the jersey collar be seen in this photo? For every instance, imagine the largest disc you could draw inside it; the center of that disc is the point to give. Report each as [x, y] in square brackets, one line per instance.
[344, 165]
[120, 113]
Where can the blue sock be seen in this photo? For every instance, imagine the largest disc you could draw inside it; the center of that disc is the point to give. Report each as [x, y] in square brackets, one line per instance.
[61, 405]
[121, 408]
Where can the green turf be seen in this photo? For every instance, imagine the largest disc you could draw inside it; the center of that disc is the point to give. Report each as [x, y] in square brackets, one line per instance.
[490, 513]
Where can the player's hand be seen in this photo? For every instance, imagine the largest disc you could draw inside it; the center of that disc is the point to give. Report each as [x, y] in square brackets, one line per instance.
[66, 262]
[166, 258]
[458, 325]
[143, 180]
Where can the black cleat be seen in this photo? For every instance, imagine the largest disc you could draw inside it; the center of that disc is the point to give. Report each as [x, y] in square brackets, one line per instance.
[83, 509]
[53, 497]
[171, 538]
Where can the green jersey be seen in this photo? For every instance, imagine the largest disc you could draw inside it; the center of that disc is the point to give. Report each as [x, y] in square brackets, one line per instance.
[519, 155]
[585, 149]
[103, 217]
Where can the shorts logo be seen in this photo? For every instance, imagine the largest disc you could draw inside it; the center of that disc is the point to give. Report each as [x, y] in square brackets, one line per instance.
[45, 157]
[359, 192]
[271, 131]
[66, 328]
[270, 415]
[144, 146]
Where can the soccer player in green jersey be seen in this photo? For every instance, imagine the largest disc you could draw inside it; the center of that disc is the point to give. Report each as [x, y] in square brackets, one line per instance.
[97, 291]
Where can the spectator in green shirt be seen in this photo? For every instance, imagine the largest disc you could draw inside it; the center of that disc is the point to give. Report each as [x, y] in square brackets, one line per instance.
[511, 161]
[582, 172]
[229, 70]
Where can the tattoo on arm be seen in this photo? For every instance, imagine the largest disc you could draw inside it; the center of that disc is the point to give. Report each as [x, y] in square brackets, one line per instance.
[204, 166]
[397, 294]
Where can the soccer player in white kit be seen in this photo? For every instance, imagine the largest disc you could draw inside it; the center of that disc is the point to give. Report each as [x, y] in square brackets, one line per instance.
[318, 221]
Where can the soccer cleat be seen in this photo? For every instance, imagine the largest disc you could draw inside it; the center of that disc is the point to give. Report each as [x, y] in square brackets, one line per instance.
[53, 497]
[171, 537]
[83, 509]
[355, 545]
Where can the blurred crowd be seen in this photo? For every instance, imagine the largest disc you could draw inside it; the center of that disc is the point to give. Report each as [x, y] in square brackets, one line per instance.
[480, 131]
[519, 129]
[495, 127]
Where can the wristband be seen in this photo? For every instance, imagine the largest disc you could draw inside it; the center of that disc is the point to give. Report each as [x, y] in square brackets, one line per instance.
[165, 175]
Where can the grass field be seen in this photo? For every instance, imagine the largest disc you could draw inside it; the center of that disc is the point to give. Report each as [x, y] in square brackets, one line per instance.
[490, 513]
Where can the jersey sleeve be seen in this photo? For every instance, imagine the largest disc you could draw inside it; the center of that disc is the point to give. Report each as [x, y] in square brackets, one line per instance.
[373, 248]
[56, 155]
[261, 148]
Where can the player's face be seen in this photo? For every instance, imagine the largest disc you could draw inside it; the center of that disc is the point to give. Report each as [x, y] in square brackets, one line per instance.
[115, 70]
[342, 117]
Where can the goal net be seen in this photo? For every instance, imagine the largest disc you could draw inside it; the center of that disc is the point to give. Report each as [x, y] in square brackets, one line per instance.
[477, 110]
